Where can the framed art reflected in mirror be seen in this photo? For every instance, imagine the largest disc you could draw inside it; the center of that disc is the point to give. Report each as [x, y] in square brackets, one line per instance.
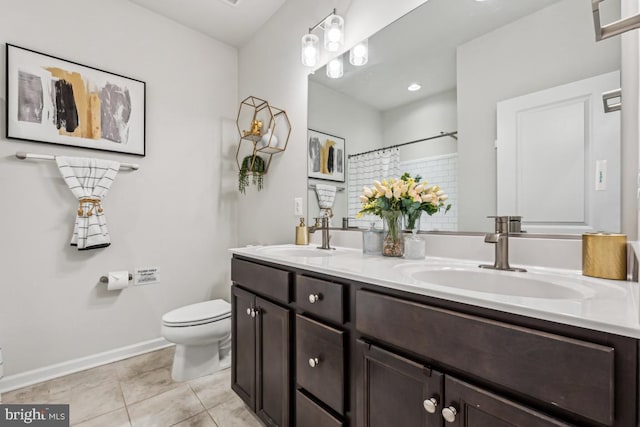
[325, 156]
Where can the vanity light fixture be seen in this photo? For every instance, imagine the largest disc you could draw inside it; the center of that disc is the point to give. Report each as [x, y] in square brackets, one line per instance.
[333, 27]
[359, 54]
[414, 87]
[335, 68]
[310, 50]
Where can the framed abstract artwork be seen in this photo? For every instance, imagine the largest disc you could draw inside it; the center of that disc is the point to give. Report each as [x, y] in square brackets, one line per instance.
[61, 102]
[325, 156]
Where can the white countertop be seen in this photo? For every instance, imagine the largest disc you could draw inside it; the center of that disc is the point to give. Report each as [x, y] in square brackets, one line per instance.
[603, 305]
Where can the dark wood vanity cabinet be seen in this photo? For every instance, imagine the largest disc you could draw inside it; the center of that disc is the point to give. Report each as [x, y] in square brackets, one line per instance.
[261, 353]
[394, 390]
[328, 352]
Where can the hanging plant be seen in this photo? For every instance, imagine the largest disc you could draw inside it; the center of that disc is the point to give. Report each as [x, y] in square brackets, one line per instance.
[251, 165]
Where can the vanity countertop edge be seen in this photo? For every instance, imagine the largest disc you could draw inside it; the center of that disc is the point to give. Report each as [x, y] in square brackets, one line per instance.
[616, 308]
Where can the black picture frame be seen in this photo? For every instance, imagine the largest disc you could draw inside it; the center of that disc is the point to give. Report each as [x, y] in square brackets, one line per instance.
[57, 101]
[326, 156]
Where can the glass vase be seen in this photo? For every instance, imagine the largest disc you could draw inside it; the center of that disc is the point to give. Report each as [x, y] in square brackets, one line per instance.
[414, 246]
[411, 222]
[393, 243]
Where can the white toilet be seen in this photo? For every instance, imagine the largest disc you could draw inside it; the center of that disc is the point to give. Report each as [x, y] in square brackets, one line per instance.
[202, 334]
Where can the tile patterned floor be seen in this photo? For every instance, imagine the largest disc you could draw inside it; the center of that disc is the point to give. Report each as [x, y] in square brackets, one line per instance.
[139, 392]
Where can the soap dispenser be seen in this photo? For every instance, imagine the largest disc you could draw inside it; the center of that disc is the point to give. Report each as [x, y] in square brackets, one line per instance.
[302, 233]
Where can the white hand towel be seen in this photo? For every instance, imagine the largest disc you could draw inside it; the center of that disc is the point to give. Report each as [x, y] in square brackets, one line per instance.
[326, 195]
[89, 180]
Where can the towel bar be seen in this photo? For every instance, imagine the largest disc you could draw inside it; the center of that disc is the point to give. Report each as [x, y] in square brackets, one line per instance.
[35, 156]
[613, 29]
[313, 187]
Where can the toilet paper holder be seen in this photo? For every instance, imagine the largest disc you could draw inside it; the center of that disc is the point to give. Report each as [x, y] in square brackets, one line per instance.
[105, 279]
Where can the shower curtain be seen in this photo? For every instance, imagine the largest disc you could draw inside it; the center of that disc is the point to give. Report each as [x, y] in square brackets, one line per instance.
[363, 169]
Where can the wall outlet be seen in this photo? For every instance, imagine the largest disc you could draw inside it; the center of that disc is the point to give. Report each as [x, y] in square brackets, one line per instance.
[146, 276]
[297, 206]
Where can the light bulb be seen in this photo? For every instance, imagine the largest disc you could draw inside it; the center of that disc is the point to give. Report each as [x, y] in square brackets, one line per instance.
[333, 33]
[310, 53]
[414, 87]
[359, 54]
[335, 68]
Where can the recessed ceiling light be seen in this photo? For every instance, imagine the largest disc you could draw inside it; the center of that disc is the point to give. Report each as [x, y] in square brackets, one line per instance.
[414, 87]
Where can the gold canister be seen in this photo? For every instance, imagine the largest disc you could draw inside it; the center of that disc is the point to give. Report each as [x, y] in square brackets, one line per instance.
[302, 233]
[604, 255]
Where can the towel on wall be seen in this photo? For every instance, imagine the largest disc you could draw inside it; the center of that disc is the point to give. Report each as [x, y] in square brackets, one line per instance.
[89, 180]
[326, 196]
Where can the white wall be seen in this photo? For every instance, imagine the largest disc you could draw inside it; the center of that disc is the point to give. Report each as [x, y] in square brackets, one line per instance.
[630, 42]
[177, 212]
[283, 82]
[421, 119]
[359, 124]
[516, 59]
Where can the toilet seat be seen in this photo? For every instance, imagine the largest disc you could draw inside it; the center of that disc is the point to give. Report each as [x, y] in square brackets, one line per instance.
[198, 314]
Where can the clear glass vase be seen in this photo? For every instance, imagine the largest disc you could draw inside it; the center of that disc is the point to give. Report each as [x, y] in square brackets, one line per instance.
[414, 246]
[393, 243]
[372, 241]
[411, 222]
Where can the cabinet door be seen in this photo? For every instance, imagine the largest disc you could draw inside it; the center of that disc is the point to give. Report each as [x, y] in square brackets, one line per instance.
[467, 405]
[396, 391]
[273, 400]
[243, 348]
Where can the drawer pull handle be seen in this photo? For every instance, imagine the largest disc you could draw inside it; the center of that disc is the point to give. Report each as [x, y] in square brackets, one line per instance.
[430, 405]
[314, 298]
[313, 362]
[449, 414]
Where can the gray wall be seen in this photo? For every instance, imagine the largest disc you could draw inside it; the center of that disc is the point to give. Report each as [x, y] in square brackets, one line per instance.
[269, 66]
[421, 119]
[359, 124]
[169, 214]
[546, 49]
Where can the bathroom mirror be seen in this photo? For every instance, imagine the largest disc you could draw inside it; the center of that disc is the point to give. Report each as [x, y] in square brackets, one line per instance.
[516, 88]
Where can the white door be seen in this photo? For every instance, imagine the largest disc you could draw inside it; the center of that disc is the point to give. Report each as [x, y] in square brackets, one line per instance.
[558, 158]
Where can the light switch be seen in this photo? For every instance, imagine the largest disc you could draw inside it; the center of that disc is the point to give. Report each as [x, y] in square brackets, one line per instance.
[601, 175]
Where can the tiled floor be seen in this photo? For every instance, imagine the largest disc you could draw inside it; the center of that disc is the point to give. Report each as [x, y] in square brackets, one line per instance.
[139, 392]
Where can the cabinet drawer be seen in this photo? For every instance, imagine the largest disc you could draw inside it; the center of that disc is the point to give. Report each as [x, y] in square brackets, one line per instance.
[322, 347]
[310, 414]
[321, 298]
[557, 371]
[263, 280]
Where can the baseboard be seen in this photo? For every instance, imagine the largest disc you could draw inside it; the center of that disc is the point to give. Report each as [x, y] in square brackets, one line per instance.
[14, 382]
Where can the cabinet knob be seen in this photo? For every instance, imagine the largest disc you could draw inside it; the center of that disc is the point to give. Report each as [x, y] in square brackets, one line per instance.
[249, 311]
[254, 311]
[430, 405]
[314, 298]
[313, 362]
[449, 414]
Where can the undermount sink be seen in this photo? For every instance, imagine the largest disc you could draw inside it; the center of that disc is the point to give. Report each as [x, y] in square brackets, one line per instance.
[526, 285]
[311, 251]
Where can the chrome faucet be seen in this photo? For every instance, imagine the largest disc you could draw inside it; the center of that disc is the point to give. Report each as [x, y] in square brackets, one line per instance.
[501, 239]
[322, 223]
